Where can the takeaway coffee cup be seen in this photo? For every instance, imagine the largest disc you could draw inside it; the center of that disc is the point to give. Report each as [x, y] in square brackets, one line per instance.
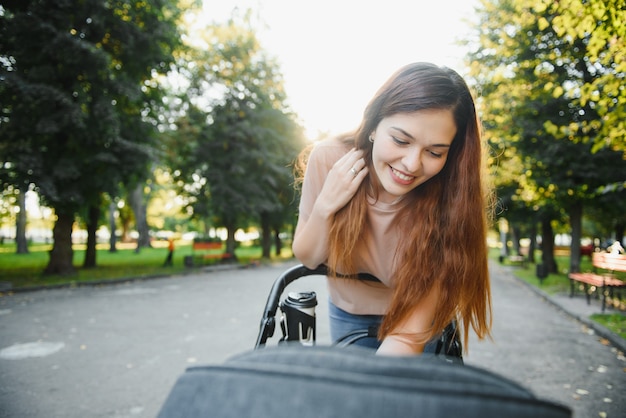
[298, 320]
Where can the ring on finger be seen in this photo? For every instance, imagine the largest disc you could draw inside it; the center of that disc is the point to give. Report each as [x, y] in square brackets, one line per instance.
[353, 171]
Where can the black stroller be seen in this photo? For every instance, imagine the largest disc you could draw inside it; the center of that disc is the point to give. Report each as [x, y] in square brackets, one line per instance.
[299, 379]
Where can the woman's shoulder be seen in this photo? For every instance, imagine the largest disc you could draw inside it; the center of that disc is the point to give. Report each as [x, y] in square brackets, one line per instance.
[330, 149]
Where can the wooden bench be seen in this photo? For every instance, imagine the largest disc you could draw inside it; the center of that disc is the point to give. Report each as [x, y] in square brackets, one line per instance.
[206, 252]
[605, 282]
[518, 259]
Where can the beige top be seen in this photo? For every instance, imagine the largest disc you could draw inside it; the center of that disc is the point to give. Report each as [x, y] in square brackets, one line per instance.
[375, 255]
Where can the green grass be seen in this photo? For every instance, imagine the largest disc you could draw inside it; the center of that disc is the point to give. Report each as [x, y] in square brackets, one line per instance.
[616, 322]
[557, 283]
[554, 283]
[24, 271]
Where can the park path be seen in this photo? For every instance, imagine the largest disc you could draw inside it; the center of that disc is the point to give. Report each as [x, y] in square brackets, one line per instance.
[116, 350]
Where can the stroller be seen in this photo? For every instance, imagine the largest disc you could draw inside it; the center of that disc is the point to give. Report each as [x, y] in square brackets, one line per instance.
[298, 322]
[298, 378]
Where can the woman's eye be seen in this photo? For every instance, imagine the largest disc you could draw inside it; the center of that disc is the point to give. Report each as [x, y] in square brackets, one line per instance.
[398, 141]
[436, 154]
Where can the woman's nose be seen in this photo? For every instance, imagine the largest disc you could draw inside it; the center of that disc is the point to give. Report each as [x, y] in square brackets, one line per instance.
[412, 160]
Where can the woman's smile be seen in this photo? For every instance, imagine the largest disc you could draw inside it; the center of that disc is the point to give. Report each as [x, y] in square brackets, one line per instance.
[401, 177]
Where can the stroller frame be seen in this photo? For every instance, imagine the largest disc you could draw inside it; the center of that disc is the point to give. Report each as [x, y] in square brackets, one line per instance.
[449, 344]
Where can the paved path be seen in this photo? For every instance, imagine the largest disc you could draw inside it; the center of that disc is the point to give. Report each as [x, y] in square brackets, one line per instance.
[115, 351]
[545, 349]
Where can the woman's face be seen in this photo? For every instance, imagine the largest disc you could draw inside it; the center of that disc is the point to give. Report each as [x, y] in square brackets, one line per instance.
[411, 148]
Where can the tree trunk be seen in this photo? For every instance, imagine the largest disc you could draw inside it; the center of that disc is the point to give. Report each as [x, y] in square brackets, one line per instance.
[515, 237]
[20, 225]
[141, 223]
[619, 232]
[92, 228]
[62, 255]
[230, 240]
[206, 229]
[266, 236]
[576, 224]
[503, 227]
[278, 243]
[533, 242]
[547, 246]
[125, 224]
[112, 228]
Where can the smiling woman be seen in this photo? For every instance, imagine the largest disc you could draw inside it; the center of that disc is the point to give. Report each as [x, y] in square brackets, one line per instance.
[402, 198]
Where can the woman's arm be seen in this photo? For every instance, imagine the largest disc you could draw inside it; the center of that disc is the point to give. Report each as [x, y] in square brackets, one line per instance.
[310, 243]
[401, 341]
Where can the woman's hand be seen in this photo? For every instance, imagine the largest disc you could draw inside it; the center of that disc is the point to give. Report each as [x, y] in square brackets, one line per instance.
[396, 345]
[404, 339]
[341, 184]
[310, 242]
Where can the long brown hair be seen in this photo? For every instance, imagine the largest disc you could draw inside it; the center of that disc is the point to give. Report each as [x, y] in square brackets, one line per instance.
[444, 220]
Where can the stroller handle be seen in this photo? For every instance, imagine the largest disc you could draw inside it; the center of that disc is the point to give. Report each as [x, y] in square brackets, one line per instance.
[268, 322]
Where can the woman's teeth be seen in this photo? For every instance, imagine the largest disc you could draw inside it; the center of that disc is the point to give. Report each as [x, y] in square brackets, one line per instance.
[402, 176]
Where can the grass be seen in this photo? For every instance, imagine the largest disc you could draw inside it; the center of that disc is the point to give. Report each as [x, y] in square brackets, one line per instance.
[556, 283]
[25, 271]
[616, 322]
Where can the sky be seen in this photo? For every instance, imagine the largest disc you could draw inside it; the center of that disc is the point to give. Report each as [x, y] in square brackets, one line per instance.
[335, 54]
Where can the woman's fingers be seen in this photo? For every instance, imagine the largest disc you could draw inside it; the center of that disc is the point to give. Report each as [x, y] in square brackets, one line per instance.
[356, 164]
[343, 180]
[348, 168]
[351, 163]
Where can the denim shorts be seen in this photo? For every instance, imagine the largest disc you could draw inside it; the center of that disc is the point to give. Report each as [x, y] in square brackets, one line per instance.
[343, 323]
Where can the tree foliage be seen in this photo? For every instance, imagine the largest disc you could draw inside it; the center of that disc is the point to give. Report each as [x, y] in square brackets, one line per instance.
[77, 86]
[547, 72]
[234, 145]
[596, 28]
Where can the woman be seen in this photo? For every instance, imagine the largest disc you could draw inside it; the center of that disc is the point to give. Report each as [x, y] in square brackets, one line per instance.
[402, 198]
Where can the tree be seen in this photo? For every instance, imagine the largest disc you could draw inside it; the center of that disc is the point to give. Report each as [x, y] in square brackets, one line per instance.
[597, 30]
[235, 141]
[112, 226]
[531, 77]
[608, 213]
[137, 201]
[245, 159]
[77, 116]
[283, 142]
[11, 199]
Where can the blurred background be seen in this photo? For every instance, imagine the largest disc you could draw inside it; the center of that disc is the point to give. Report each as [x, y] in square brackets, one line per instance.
[124, 124]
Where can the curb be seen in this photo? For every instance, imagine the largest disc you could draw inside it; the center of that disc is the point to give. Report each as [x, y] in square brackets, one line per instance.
[121, 280]
[615, 340]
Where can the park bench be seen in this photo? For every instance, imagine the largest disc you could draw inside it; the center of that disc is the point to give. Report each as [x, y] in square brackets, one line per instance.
[602, 278]
[520, 258]
[517, 259]
[206, 252]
